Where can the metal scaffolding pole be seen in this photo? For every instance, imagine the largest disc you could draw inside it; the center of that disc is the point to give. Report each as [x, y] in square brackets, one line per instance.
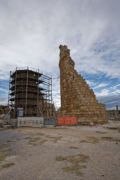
[26, 94]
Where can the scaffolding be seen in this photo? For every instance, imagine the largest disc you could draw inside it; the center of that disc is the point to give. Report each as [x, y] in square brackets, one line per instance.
[31, 91]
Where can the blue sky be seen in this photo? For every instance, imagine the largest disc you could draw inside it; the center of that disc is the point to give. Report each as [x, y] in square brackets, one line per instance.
[31, 32]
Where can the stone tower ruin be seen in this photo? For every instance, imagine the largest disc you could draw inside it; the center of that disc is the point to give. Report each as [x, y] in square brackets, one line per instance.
[77, 99]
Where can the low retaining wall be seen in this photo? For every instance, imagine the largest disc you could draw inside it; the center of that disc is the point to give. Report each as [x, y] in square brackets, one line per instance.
[30, 122]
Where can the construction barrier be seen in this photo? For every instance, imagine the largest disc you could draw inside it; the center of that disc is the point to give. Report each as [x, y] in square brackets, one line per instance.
[67, 121]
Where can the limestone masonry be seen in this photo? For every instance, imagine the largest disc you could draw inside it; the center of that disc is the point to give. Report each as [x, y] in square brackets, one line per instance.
[77, 99]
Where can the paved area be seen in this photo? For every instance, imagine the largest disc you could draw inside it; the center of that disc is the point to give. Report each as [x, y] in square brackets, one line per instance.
[68, 153]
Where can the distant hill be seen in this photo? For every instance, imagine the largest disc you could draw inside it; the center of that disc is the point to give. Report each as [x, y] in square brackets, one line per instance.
[110, 101]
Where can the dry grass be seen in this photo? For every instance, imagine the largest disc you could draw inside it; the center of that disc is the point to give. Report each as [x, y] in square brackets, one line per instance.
[101, 132]
[38, 143]
[40, 134]
[54, 139]
[111, 139]
[90, 139]
[3, 157]
[114, 128]
[60, 158]
[93, 139]
[28, 137]
[5, 145]
[58, 128]
[43, 141]
[35, 141]
[84, 141]
[9, 141]
[75, 169]
[5, 150]
[73, 147]
[7, 165]
[76, 162]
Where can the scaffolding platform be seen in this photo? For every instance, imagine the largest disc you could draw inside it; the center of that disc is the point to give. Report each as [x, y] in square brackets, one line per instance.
[31, 91]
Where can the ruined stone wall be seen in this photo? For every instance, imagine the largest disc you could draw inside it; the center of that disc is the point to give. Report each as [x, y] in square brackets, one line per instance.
[77, 99]
[113, 115]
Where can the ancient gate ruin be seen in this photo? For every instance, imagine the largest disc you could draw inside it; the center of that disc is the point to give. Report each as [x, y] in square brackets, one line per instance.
[77, 99]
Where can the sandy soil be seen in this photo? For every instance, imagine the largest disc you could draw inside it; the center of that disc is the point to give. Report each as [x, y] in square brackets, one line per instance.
[68, 153]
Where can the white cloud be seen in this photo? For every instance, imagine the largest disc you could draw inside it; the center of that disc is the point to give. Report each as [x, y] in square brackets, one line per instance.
[116, 86]
[104, 92]
[31, 31]
[3, 100]
[117, 91]
[100, 85]
[56, 90]
[3, 90]
[90, 83]
[110, 101]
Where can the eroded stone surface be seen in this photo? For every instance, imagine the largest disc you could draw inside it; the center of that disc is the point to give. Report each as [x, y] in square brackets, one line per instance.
[77, 99]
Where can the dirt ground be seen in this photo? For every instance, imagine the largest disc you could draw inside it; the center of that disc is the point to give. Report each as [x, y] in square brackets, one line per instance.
[62, 153]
